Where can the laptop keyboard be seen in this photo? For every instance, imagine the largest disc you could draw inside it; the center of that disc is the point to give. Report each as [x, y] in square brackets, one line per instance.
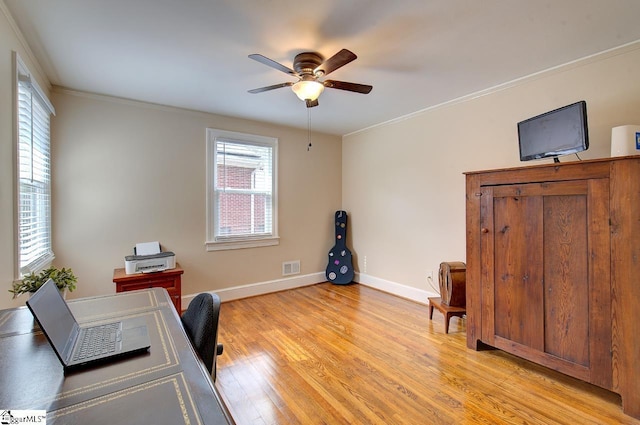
[98, 340]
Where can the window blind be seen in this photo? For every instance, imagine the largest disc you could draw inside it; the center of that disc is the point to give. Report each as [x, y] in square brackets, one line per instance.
[34, 176]
[243, 185]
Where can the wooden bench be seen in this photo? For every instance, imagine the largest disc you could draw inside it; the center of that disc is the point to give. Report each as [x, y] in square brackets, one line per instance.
[448, 311]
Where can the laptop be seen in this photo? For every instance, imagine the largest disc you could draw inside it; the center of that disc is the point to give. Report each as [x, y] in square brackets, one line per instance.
[77, 346]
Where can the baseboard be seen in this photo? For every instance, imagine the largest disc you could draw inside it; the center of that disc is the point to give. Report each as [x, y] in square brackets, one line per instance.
[404, 291]
[261, 288]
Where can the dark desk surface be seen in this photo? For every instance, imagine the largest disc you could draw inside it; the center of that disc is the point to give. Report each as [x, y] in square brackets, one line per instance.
[167, 385]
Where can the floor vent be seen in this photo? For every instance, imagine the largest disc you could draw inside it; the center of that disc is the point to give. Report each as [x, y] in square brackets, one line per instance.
[290, 267]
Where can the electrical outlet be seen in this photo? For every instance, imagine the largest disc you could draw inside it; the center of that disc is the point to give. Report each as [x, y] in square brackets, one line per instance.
[364, 264]
[430, 275]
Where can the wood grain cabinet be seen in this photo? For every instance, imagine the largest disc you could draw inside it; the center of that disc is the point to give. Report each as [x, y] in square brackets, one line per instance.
[168, 279]
[552, 268]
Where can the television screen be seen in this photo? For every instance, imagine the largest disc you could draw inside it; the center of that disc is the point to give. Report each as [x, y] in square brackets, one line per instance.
[562, 131]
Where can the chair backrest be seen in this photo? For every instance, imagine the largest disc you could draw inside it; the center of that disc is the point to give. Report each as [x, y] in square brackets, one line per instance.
[200, 320]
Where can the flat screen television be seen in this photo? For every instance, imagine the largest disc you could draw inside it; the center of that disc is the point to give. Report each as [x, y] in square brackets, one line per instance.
[562, 131]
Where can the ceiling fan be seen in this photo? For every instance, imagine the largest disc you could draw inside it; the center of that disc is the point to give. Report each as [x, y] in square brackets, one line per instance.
[309, 68]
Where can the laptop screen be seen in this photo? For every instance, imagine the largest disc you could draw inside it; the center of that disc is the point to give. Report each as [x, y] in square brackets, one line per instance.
[53, 314]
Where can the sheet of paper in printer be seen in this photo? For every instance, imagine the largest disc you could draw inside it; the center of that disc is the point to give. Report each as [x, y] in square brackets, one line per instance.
[148, 248]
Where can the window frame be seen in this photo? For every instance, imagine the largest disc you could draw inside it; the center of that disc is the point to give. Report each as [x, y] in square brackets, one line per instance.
[215, 242]
[23, 77]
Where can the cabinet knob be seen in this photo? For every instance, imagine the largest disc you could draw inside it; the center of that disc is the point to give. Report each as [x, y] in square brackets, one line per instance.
[484, 230]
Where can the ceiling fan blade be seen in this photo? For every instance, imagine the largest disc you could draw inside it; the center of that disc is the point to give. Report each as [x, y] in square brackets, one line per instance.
[273, 64]
[311, 103]
[275, 86]
[336, 61]
[343, 85]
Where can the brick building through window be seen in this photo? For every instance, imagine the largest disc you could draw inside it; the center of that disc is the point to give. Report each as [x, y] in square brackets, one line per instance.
[241, 212]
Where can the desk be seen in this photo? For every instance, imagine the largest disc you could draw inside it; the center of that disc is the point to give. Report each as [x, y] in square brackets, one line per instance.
[167, 385]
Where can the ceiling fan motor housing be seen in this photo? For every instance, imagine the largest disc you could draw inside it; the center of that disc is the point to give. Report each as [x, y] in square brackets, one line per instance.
[306, 62]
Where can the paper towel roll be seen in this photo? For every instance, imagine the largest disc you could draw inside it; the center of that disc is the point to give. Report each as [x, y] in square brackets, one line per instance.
[625, 140]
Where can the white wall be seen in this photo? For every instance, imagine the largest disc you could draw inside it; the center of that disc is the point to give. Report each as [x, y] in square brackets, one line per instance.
[9, 42]
[127, 172]
[403, 182]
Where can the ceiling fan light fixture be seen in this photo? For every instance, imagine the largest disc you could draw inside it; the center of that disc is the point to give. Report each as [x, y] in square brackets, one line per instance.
[308, 89]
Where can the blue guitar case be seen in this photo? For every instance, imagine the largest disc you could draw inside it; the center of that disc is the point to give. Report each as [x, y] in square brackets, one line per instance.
[340, 267]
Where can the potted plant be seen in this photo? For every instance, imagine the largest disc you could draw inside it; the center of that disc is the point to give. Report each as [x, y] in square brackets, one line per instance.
[63, 278]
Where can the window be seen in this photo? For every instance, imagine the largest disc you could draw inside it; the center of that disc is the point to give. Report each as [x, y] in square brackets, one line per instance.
[33, 200]
[241, 190]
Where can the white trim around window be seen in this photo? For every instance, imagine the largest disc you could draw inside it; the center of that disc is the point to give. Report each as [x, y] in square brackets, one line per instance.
[241, 204]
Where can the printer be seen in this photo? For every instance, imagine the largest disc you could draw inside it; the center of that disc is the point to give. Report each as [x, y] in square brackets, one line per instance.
[147, 258]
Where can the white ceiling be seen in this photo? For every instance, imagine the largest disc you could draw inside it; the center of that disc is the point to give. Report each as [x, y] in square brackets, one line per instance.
[416, 53]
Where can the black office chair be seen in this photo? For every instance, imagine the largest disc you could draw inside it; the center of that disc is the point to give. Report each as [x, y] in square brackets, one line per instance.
[200, 320]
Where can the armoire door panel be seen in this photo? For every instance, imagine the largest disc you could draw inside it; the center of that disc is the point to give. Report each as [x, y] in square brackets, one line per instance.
[518, 289]
[566, 278]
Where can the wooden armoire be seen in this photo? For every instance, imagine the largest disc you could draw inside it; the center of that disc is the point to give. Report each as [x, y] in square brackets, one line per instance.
[553, 268]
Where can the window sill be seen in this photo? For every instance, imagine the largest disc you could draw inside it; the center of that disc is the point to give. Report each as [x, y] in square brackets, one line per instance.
[240, 244]
[37, 266]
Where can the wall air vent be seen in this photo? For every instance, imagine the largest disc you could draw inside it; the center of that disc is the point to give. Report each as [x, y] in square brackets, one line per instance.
[290, 267]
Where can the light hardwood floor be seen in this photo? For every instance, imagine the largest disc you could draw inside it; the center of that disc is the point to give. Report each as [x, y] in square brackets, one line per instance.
[331, 354]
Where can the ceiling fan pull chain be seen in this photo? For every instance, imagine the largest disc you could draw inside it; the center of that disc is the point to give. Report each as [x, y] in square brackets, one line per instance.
[309, 128]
